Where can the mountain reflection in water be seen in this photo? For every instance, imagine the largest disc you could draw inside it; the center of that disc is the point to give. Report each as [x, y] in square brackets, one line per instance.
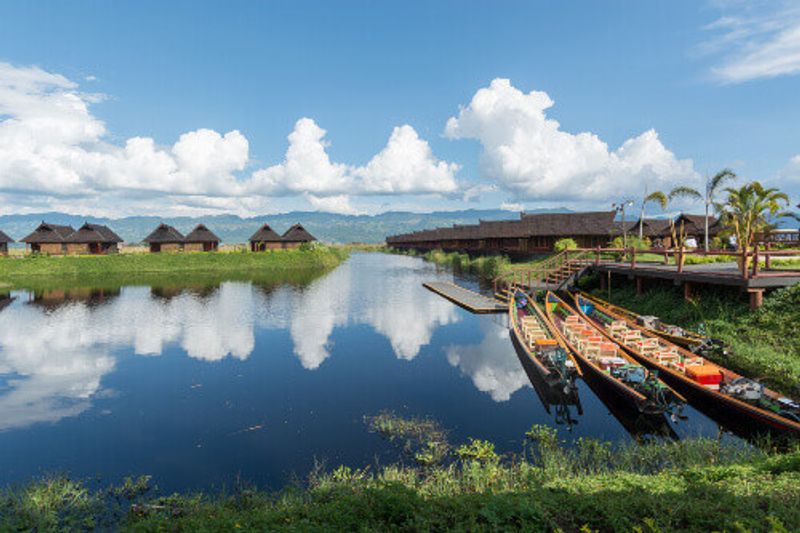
[169, 381]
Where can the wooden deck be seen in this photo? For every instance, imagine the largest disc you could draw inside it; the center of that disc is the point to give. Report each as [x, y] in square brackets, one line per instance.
[469, 300]
[707, 273]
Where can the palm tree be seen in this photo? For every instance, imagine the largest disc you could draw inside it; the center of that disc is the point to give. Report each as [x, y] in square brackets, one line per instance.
[750, 210]
[656, 196]
[712, 187]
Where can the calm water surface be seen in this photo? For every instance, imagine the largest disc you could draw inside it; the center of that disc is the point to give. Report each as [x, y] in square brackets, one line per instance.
[201, 386]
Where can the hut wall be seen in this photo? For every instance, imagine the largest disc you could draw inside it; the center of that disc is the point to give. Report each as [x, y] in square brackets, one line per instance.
[51, 248]
[291, 244]
[3, 248]
[165, 247]
[261, 246]
[193, 247]
[74, 248]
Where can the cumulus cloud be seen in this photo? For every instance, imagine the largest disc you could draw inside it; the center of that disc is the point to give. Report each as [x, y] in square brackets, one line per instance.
[52, 147]
[530, 155]
[755, 40]
[405, 165]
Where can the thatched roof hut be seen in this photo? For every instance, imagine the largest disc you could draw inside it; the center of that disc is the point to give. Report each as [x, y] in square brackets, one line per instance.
[201, 239]
[265, 238]
[265, 234]
[164, 233]
[164, 238]
[89, 233]
[5, 239]
[297, 234]
[49, 233]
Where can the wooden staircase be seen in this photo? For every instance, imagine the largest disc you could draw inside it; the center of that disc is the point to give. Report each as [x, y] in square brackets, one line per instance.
[554, 273]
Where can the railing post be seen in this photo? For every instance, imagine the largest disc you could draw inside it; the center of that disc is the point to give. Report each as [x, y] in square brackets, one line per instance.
[597, 256]
[767, 256]
[633, 257]
[529, 279]
[680, 259]
[755, 261]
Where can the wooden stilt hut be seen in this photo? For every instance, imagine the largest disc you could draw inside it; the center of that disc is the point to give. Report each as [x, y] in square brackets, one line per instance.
[49, 239]
[165, 238]
[265, 239]
[201, 239]
[4, 241]
[93, 239]
[295, 236]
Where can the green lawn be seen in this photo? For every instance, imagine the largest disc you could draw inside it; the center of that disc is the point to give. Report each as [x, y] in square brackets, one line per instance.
[37, 271]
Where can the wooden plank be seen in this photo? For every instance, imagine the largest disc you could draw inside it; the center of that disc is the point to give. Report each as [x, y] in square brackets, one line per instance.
[469, 300]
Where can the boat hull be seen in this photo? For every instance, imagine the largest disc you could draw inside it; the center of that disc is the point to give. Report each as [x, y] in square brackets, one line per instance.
[709, 401]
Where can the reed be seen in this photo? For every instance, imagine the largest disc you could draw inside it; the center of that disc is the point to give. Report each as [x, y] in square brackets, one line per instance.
[694, 485]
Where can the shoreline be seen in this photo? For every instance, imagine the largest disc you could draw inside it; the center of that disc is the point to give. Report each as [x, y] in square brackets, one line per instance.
[35, 271]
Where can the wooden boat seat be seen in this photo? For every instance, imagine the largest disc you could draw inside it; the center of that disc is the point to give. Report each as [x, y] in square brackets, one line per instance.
[667, 358]
[608, 349]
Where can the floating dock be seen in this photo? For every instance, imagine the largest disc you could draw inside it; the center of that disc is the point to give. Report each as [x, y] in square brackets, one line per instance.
[469, 300]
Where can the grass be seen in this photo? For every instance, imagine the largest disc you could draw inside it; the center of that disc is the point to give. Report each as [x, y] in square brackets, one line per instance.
[36, 271]
[486, 266]
[763, 343]
[693, 485]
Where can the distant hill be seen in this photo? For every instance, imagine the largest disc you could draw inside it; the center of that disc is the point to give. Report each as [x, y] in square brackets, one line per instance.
[327, 227]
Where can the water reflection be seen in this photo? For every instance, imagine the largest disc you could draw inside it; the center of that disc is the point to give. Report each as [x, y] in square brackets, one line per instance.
[56, 345]
[491, 365]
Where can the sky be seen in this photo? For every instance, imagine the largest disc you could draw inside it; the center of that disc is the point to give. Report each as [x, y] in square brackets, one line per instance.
[190, 108]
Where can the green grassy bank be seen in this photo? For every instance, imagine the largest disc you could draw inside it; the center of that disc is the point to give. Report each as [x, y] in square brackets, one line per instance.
[44, 271]
[694, 485]
[763, 343]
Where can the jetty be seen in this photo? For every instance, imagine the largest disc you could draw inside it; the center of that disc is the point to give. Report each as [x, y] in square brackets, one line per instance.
[469, 300]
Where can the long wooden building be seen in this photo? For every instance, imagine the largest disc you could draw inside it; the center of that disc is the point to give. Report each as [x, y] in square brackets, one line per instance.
[538, 232]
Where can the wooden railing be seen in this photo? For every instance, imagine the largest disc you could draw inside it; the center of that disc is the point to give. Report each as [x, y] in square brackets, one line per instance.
[749, 263]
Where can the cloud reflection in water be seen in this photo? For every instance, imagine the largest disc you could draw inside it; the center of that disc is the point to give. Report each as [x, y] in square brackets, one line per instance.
[54, 355]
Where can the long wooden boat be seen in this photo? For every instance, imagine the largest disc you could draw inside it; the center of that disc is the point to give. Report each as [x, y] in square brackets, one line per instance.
[534, 336]
[606, 361]
[675, 334]
[698, 377]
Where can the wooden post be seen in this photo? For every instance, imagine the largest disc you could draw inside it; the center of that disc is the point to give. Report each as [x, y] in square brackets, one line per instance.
[745, 271]
[639, 286]
[687, 291]
[756, 298]
[767, 257]
[597, 256]
[529, 279]
[755, 261]
[633, 257]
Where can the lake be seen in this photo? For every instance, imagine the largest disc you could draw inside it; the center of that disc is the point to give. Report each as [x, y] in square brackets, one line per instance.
[201, 386]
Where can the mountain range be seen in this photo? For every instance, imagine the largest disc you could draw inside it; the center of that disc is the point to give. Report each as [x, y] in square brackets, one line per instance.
[327, 227]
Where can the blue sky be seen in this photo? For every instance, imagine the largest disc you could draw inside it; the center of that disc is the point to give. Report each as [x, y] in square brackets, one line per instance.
[688, 87]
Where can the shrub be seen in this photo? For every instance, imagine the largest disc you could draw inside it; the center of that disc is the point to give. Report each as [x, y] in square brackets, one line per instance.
[565, 244]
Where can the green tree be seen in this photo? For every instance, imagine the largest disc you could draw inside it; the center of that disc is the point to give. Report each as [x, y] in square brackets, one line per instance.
[712, 187]
[654, 197]
[750, 210]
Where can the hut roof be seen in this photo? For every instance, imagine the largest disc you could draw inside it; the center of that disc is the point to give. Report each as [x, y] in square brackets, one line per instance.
[265, 234]
[694, 224]
[49, 233]
[94, 233]
[5, 238]
[201, 234]
[164, 233]
[600, 223]
[651, 226]
[297, 233]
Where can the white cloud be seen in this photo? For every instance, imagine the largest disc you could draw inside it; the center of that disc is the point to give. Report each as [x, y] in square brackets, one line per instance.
[407, 165]
[509, 206]
[52, 147]
[756, 40]
[332, 204]
[529, 154]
